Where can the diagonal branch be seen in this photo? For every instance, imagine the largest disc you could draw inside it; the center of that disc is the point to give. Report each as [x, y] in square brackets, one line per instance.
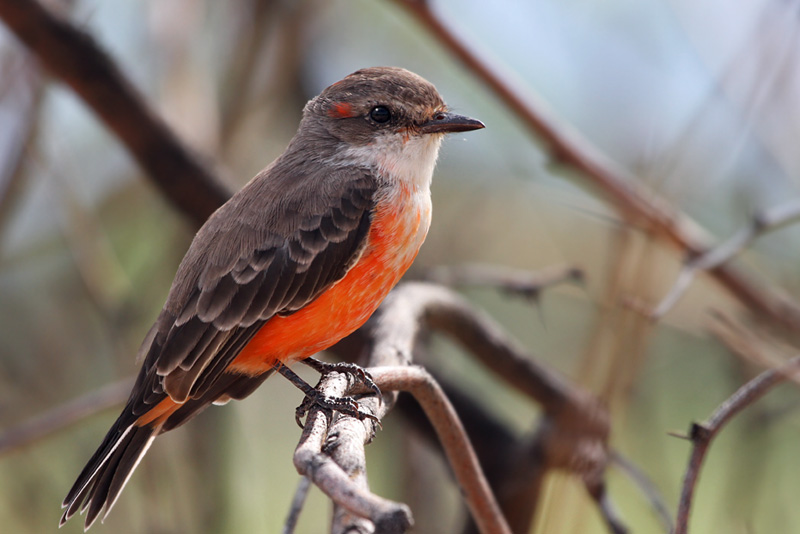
[517, 282]
[75, 57]
[764, 222]
[635, 203]
[64, 416]
[701, 434]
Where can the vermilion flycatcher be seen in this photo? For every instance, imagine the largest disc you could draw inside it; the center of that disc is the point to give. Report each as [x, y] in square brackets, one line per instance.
[291, 264]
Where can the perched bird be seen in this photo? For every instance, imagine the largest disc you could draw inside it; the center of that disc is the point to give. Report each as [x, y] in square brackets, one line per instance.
[291, 264]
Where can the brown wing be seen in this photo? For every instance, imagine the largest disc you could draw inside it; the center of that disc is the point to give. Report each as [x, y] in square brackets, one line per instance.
[272, 249]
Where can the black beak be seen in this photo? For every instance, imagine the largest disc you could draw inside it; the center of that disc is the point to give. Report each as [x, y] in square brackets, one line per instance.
[450, 123]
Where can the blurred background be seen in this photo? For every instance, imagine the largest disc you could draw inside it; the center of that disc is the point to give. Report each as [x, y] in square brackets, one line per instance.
[699, 100]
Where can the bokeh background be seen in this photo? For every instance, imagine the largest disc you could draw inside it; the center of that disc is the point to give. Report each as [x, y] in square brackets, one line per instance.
[700, 100]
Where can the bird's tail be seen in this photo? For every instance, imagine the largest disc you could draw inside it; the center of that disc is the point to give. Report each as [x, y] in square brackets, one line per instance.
[109, 469]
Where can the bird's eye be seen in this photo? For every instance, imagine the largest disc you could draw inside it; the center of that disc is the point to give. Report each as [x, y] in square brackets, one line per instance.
[380, 114]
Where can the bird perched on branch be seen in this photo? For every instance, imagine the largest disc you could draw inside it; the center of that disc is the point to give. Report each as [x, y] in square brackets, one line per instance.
[291, 264]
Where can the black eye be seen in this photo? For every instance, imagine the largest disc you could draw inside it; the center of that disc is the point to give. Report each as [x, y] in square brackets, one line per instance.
[380, 114]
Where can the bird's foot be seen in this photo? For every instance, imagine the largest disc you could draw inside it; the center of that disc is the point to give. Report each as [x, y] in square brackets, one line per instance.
[314, 397]
[360, 374]
[343, 405]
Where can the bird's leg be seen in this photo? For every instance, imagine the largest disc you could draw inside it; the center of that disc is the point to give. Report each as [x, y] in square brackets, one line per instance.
[352, 369]
[344, 405]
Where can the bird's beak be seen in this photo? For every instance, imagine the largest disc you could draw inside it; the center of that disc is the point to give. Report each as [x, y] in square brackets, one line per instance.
[449, 123]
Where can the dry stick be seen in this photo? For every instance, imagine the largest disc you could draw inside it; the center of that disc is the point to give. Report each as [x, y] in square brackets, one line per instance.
[764, 222]
[64, 416]
[296, 507]
[75, 57]
[577, 436]
[636, 204]
[311, 460]
[701, 434]
[453, 438]
[520, 282]
[650, 491]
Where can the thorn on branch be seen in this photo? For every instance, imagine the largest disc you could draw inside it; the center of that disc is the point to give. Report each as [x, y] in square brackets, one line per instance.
[702, 434]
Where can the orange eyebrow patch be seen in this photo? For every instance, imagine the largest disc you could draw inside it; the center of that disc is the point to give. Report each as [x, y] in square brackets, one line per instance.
[341, 110]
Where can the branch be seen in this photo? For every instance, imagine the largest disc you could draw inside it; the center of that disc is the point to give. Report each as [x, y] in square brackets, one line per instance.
[635, 203]
[64, 416]
[701, 434]
[75, 57]
[345, 482]
[518, 282]
[296, 507]
[453, 438]
[572, 435]
[764, 222]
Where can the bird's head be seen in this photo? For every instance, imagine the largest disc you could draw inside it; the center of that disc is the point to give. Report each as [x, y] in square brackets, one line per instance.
[384, 117]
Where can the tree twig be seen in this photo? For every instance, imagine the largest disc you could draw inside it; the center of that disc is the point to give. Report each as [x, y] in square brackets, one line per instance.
[764, 222]
[643, 482]
[75, 57]
[701, 434]
[296, 507]
[518, 282]
[64, 416]
[453, 438]
[635, 203]
[320, 437]
[574, 431]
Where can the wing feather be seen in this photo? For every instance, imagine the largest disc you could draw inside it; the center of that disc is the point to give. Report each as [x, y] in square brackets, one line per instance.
[258, 256]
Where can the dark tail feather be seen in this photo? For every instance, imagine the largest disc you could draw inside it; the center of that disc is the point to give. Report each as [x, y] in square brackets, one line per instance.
[107, 472]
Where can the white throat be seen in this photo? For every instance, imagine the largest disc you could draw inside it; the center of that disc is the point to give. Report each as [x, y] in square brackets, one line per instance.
[408, 159]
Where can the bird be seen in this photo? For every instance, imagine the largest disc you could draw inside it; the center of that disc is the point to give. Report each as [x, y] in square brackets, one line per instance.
[293, 262]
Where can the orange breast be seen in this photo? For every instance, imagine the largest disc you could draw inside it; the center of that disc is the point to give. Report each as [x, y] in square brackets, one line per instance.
[398, 229]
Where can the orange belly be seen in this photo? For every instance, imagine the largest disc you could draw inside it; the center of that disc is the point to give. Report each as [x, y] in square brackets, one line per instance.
[394, 239]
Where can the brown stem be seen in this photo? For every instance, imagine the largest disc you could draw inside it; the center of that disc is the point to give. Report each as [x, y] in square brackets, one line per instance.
[453, 438]
[76, 58]
[701, 434]
[519, 282]
[64, 416]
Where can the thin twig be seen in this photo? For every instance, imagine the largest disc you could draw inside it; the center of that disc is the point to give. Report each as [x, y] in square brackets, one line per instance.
[650, 491]
[64, 416]
[701, 434]
[637, 204]
[453, 438]
[76, 58]
[518, 282]
[767, 221]
[573, 434]
[296, 507]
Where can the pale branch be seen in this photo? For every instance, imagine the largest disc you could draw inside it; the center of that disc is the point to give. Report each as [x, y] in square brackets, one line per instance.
[753, 345]
[64, 416]
[75, 57]
[764, 222]
[573, 434]
[21, 89]
[646, 486]
[701, 434]
[296, 506]
[453, 438]
[635, 203]
[517, 282]
[313, 460]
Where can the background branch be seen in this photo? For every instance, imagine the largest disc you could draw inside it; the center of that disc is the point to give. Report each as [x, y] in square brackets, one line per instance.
[701, 434]
[635, 203]
[76, 58]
